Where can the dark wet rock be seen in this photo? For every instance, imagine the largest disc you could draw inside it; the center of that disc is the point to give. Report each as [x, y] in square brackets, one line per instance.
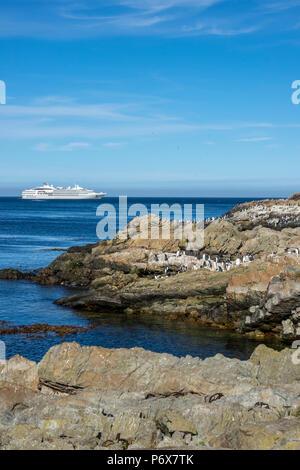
[54, 249]
[67, 269]
[82, 249]
[39, 330]
[15, 275]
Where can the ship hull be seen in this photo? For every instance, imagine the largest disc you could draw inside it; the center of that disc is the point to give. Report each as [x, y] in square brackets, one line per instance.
[57, 197]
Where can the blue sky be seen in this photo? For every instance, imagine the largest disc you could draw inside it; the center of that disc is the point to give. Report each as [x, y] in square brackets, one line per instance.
[151, 97]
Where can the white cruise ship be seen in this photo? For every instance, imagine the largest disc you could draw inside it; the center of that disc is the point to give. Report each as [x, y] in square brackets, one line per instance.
[47, 191]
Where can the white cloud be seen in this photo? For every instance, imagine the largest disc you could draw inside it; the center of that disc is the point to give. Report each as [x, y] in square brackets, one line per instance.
[278, 6]
[159, 5]
[104, 111]
[53, 99]
[173, 17]
[47, 147]
[43, 147]
[254, 139]
[29, 130]
[109, 122]
[73, 146]
[114, 144]
[221, 30]
[65, 19]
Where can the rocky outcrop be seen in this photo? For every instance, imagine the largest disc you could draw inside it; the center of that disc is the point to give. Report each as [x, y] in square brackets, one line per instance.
[20, 372]
[273, 213]
[71, 367]
[239, 299]
[279, 309]
[15, 275]
[229, 282]
[181, 295]
[295, 197]
[41, 329]
[95, 398]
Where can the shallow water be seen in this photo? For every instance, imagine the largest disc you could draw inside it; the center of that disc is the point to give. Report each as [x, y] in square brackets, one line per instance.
[27, 228]
[25, 303]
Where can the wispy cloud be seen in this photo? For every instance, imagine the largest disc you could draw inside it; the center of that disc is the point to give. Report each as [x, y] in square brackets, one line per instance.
[32, 129]
[65, 19]
[217, 30]
[74, 146]
[171, 17]
[104, 111]
[114, 144]
[47, 147]
[278, 6]
[111, 124]
[43, 147]
[92, 18]
[46, 100]
[254, 139]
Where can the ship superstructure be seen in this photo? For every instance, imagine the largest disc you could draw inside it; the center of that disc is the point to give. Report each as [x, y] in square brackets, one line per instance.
[47, 191]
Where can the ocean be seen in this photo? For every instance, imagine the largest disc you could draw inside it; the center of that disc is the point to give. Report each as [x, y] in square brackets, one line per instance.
[31, 230]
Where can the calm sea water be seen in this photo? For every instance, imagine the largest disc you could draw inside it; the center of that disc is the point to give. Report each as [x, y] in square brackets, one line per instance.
[29, 230]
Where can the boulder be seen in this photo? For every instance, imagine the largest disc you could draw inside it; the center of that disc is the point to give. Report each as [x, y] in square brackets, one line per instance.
[20, 371]
[101, 399]
[70, 368]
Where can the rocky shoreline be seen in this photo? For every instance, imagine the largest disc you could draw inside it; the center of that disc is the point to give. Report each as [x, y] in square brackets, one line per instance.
[117, 399]
[246, 277]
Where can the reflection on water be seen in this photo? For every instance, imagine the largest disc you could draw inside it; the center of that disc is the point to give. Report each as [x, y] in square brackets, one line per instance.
[22, 302]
